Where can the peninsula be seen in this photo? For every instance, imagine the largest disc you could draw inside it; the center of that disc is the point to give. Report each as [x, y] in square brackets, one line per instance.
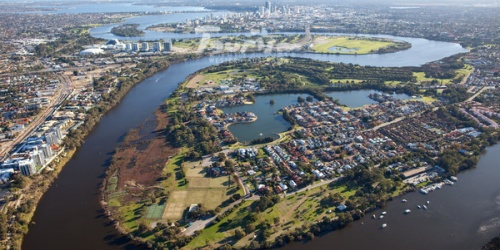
[332, 166]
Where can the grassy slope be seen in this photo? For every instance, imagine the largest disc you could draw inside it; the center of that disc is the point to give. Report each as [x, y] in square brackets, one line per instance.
[293, 211]
[362, 45]
[459, 74]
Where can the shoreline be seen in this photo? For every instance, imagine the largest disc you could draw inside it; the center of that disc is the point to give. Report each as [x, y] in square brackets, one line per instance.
[46, 183]
[340, 224]
[123, 93]
[69, 153]
[243, 122]
[112, 171]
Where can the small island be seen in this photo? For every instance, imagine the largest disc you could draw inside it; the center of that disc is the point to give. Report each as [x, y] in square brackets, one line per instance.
[127, 30]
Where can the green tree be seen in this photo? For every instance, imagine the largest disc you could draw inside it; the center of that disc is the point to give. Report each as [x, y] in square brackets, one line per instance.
[238, 233]
[249, 228]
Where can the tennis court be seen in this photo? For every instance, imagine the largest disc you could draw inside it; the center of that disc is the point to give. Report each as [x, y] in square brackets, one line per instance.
[155, 211]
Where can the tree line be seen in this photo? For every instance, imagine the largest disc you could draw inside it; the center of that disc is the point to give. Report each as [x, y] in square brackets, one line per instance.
[127, 30]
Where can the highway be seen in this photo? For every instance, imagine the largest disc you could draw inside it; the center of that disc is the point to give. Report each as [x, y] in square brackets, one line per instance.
[62, 94]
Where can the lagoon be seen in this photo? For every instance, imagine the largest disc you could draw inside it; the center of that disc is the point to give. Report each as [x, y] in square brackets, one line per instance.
[359, 98]
[269, 123]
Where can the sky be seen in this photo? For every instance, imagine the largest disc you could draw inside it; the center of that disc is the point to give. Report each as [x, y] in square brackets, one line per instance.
[398, 2]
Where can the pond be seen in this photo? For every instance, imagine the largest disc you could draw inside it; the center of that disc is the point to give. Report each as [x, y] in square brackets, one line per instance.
[269, 122]
[358, 98]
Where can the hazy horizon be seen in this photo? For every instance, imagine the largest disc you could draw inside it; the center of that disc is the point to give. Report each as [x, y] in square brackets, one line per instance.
[246, 2]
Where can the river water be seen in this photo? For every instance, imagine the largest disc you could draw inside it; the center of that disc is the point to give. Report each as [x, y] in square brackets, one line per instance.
[71, 7]
[69, 216]
[358, 98]
[460, 217]
[421, 52]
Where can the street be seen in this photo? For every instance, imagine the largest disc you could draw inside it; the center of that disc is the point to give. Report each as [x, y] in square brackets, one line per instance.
[62, 94]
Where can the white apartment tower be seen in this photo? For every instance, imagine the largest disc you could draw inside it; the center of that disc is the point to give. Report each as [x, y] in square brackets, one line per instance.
[145, 46]
[156, 46]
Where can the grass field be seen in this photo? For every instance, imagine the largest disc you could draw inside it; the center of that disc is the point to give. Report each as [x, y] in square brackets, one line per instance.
[208, 191]
[112, 184]
[221, 230]
[188, 43]
[180, 200]
[202, 78]
[292, 211]
[217, 44]
[460, 74]
[392, 83]
[464, 72]
[130, 216]
[422, 78]
[428, 99]
[348, 45]
[172, 168]
[114, 203]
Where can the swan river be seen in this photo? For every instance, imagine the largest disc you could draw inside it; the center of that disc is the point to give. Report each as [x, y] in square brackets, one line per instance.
[463, 216]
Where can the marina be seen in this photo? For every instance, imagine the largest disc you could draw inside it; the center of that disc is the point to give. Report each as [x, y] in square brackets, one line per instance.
[461, 217]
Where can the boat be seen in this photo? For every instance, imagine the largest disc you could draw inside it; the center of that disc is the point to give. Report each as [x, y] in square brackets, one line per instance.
[454, 178]
[381, 217]
[448, 182]
[383, 225]
[428, 202]
[374, 216]
[424, 191]
[384, 213]
[407, 211]
[424, 206]
[404, 200]
[419, 207]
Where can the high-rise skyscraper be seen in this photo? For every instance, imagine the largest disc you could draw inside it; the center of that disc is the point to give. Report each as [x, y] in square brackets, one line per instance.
[38, 158]
[167, 46]
[156, 46]
[145, 46]
[135, 47]
[27, 167]
[269, 7]
[262, 10]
